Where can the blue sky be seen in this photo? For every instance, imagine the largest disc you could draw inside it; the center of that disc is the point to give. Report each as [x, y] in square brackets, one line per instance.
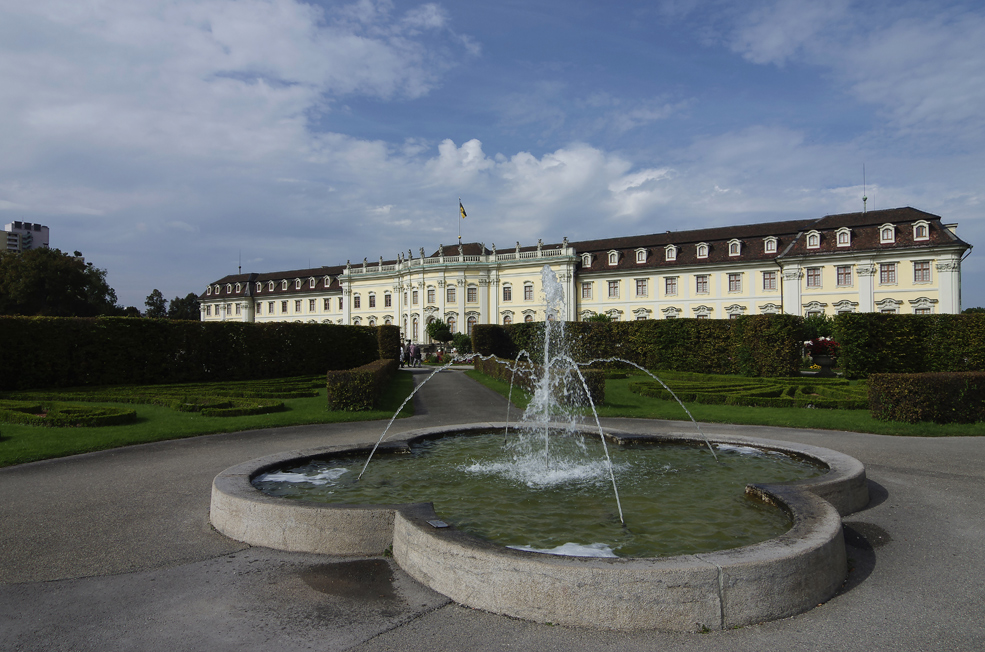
[168, 141]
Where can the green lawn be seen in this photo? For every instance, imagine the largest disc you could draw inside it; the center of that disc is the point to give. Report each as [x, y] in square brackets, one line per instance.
[620, 402]
[23, 443]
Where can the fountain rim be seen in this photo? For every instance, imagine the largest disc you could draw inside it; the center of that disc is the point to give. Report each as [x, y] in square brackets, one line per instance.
[797, 570]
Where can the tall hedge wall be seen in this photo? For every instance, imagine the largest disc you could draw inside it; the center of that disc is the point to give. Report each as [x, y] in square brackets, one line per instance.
[41, 352]
[882, 343]
[759, 345]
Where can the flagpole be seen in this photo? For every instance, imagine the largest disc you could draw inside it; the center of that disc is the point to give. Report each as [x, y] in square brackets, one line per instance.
[460, 211]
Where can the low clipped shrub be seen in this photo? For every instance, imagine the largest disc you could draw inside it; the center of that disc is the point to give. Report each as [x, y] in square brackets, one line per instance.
[939, 397]
[359, 388]
[61, 415]
[778, 392]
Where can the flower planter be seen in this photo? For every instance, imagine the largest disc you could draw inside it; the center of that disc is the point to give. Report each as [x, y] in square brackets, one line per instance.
[825, 362]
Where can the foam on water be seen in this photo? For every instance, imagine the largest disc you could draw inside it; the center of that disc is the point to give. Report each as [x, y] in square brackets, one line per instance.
[573, 550]
[322, 477]
[533, 472]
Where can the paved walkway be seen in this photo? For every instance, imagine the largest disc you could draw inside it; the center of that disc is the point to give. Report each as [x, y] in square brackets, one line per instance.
[113, 551]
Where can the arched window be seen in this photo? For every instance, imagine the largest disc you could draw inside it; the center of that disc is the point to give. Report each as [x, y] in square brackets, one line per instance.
[702, 250]
[813, 240]
[416, 329]
[528, 318]
[507, 320]
[472, 321]
[451, 324]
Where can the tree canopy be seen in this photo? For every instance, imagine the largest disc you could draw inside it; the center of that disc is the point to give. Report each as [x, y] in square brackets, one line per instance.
[187, 308]
[157, 305]
[49, 282]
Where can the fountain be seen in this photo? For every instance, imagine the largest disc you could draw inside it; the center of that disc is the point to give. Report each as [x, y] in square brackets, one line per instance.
[686, 589]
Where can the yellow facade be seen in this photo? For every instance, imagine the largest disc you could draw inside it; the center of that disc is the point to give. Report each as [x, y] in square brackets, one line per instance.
[902, 261]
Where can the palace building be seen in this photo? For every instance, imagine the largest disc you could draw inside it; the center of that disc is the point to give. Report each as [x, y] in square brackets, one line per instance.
[899, 260]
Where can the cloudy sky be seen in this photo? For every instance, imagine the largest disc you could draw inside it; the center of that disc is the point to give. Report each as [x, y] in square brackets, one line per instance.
[170, 140]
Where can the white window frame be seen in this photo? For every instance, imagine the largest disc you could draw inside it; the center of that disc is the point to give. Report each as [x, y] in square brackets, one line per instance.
[613, 258]
[769, 245]
[917, 226]
[701, 250]
[670, 252]
[843, 237]
[813, 240]
[891, 237]
[613, 289]
[640, 256]
[668, 282]
[734, 247]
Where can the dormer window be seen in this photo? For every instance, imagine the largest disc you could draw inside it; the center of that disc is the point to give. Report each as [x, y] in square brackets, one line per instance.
[921, 230]
[813, 240]
[238, 288]
[887, 234]
[613, 258]
[670, 252]
[769, 245]
[328, 281]
[217, 288]
[586, 260]
[641, 255]
[229, 288]
[297, 284]
[208, 290]
[734, 247]
[702, 250]
[844, 237]
[311, 282]
[283, 284]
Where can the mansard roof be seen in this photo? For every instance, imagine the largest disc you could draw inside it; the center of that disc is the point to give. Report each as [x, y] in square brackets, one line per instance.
[789, 235]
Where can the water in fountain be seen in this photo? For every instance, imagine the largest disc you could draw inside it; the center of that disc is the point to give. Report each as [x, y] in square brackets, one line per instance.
[545, 451]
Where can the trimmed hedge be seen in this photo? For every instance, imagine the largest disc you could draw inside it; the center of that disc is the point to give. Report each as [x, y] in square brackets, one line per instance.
[42, 352]
[359, 388]
[527, 375]
[882, 343]
[59, 415]
[755, 345]
[938, 397]
[791, 392]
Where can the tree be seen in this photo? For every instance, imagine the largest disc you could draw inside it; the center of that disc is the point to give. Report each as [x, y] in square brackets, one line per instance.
[157, 305]
[971, 311]
[186, 308]
[438, 331]
[46, 281]
[600, 317]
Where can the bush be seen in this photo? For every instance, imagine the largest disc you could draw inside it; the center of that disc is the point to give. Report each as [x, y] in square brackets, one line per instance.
[359, 388]
[525, 375]
[73, 352]
[759, 345]
[462, 342]
[882, 343]
[938, 397]
[60, 415]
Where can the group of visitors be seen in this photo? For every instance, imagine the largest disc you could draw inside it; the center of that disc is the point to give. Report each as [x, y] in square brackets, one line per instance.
[410, 354]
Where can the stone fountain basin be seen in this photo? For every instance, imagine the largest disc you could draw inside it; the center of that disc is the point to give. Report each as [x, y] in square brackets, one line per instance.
[774, 579]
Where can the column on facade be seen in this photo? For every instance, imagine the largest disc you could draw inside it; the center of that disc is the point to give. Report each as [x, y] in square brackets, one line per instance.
[463, 287]
[791, 290]
[441, 297]
[866, 273]
[494, 297]
[949, 282]
[483, 290]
